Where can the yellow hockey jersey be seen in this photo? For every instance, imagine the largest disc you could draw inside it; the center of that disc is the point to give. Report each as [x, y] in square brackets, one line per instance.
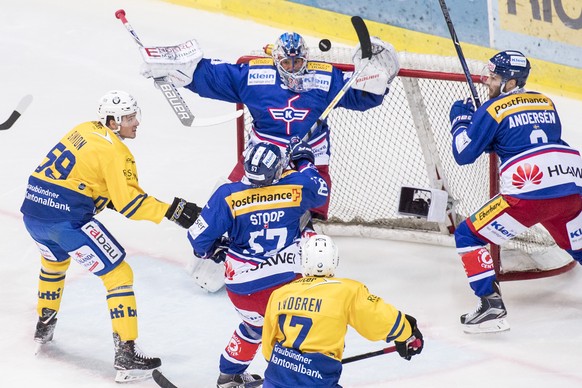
[88, 169]
[311, 315]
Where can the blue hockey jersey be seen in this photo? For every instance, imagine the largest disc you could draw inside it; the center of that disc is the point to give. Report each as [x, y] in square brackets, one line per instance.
[278, 113]
[263, 226]
[524, 130]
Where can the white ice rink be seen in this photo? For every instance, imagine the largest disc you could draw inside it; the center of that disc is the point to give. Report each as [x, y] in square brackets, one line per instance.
[67, 54]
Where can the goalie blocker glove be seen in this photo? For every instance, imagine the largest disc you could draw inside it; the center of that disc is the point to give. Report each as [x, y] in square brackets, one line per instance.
[182, 212]
[413, 345]
[382, 69]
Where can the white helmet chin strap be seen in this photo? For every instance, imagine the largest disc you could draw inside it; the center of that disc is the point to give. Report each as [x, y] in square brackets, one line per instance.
[505, 93]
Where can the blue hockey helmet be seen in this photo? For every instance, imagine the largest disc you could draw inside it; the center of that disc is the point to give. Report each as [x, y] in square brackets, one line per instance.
[264, 164]
[510, 64]
[290, 55]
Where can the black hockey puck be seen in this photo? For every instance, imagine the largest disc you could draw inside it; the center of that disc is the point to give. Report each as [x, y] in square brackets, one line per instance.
[324, 45]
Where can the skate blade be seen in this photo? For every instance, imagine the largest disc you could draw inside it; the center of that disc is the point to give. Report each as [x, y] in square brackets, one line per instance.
[126, 376]
[492, 326]
[37, 348]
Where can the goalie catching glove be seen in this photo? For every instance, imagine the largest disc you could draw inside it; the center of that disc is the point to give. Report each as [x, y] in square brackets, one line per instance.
[413, 344]
[379, 73]
[182, 212]
[175, 64]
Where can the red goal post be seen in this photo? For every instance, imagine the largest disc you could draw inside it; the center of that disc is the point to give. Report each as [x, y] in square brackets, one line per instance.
[407, 142]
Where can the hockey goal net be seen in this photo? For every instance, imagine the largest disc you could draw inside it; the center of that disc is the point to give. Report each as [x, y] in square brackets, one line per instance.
[406, 142]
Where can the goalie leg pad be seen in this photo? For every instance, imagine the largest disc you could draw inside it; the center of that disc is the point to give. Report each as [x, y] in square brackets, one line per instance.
[207, 274]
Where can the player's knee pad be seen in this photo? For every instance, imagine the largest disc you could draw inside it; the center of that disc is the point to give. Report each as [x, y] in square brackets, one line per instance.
[465, 238]
[120, 276]
[252, 333]
[480, 270]
[55, 266]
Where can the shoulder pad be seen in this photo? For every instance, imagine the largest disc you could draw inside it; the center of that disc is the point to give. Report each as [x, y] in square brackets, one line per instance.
[261, 62]
[319, 66]
[287, 173]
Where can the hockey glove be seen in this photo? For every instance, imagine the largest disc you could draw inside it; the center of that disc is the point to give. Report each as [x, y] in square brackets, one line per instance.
[384, 66]
[461, 113]
[300, 153]
[174, 63]
[413, 345]
[182, 212]
[220, 249]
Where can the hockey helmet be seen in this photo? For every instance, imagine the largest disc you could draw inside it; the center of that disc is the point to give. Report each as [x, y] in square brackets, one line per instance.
[290, 55]
[264, 163]
[510, 64]
[319, 256]
[116, 104]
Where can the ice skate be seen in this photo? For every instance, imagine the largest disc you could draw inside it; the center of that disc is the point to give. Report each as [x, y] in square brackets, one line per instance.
[489, 317]
[45, 328]
[131, 363]
[244, 380]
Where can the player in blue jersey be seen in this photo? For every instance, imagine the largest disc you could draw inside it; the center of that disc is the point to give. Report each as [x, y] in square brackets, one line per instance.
[285, 93]
[541, 179]
[261, 216]
[306, 322]
[88, 170]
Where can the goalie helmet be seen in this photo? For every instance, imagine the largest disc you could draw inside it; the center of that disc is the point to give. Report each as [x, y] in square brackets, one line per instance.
[290, 55]
[117, 104]
[510, 65]
[264, 164]
[319, 256]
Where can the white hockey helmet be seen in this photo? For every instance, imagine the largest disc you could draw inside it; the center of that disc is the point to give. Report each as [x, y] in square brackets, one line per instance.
[117, 103]
[319, 256]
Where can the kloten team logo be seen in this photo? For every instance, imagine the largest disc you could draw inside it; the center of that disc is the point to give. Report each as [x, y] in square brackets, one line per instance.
[289, 114]
[527, 174]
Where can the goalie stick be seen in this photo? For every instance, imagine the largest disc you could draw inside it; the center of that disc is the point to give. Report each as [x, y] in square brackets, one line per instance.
[20, 108]
[366, 46]
[163, 381]
[172, 95]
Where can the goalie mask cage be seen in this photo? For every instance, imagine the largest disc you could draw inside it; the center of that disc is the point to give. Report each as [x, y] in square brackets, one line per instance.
[407, 142]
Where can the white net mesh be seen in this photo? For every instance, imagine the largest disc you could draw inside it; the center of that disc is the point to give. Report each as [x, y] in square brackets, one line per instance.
[402, 143]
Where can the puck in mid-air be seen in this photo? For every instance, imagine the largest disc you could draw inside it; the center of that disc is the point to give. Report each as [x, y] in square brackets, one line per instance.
[324, 45]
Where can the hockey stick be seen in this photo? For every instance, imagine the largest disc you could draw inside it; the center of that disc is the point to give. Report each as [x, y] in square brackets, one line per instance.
[389, 349]
[172, 95]
[460, 53]
[163, 382]
[366, 46]
[20, 108]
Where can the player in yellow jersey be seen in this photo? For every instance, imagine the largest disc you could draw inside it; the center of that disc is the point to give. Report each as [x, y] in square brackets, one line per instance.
[90, 169]
[306, 322]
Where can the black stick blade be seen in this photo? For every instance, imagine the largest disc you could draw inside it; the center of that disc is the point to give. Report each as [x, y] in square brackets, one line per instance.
[363, 36]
